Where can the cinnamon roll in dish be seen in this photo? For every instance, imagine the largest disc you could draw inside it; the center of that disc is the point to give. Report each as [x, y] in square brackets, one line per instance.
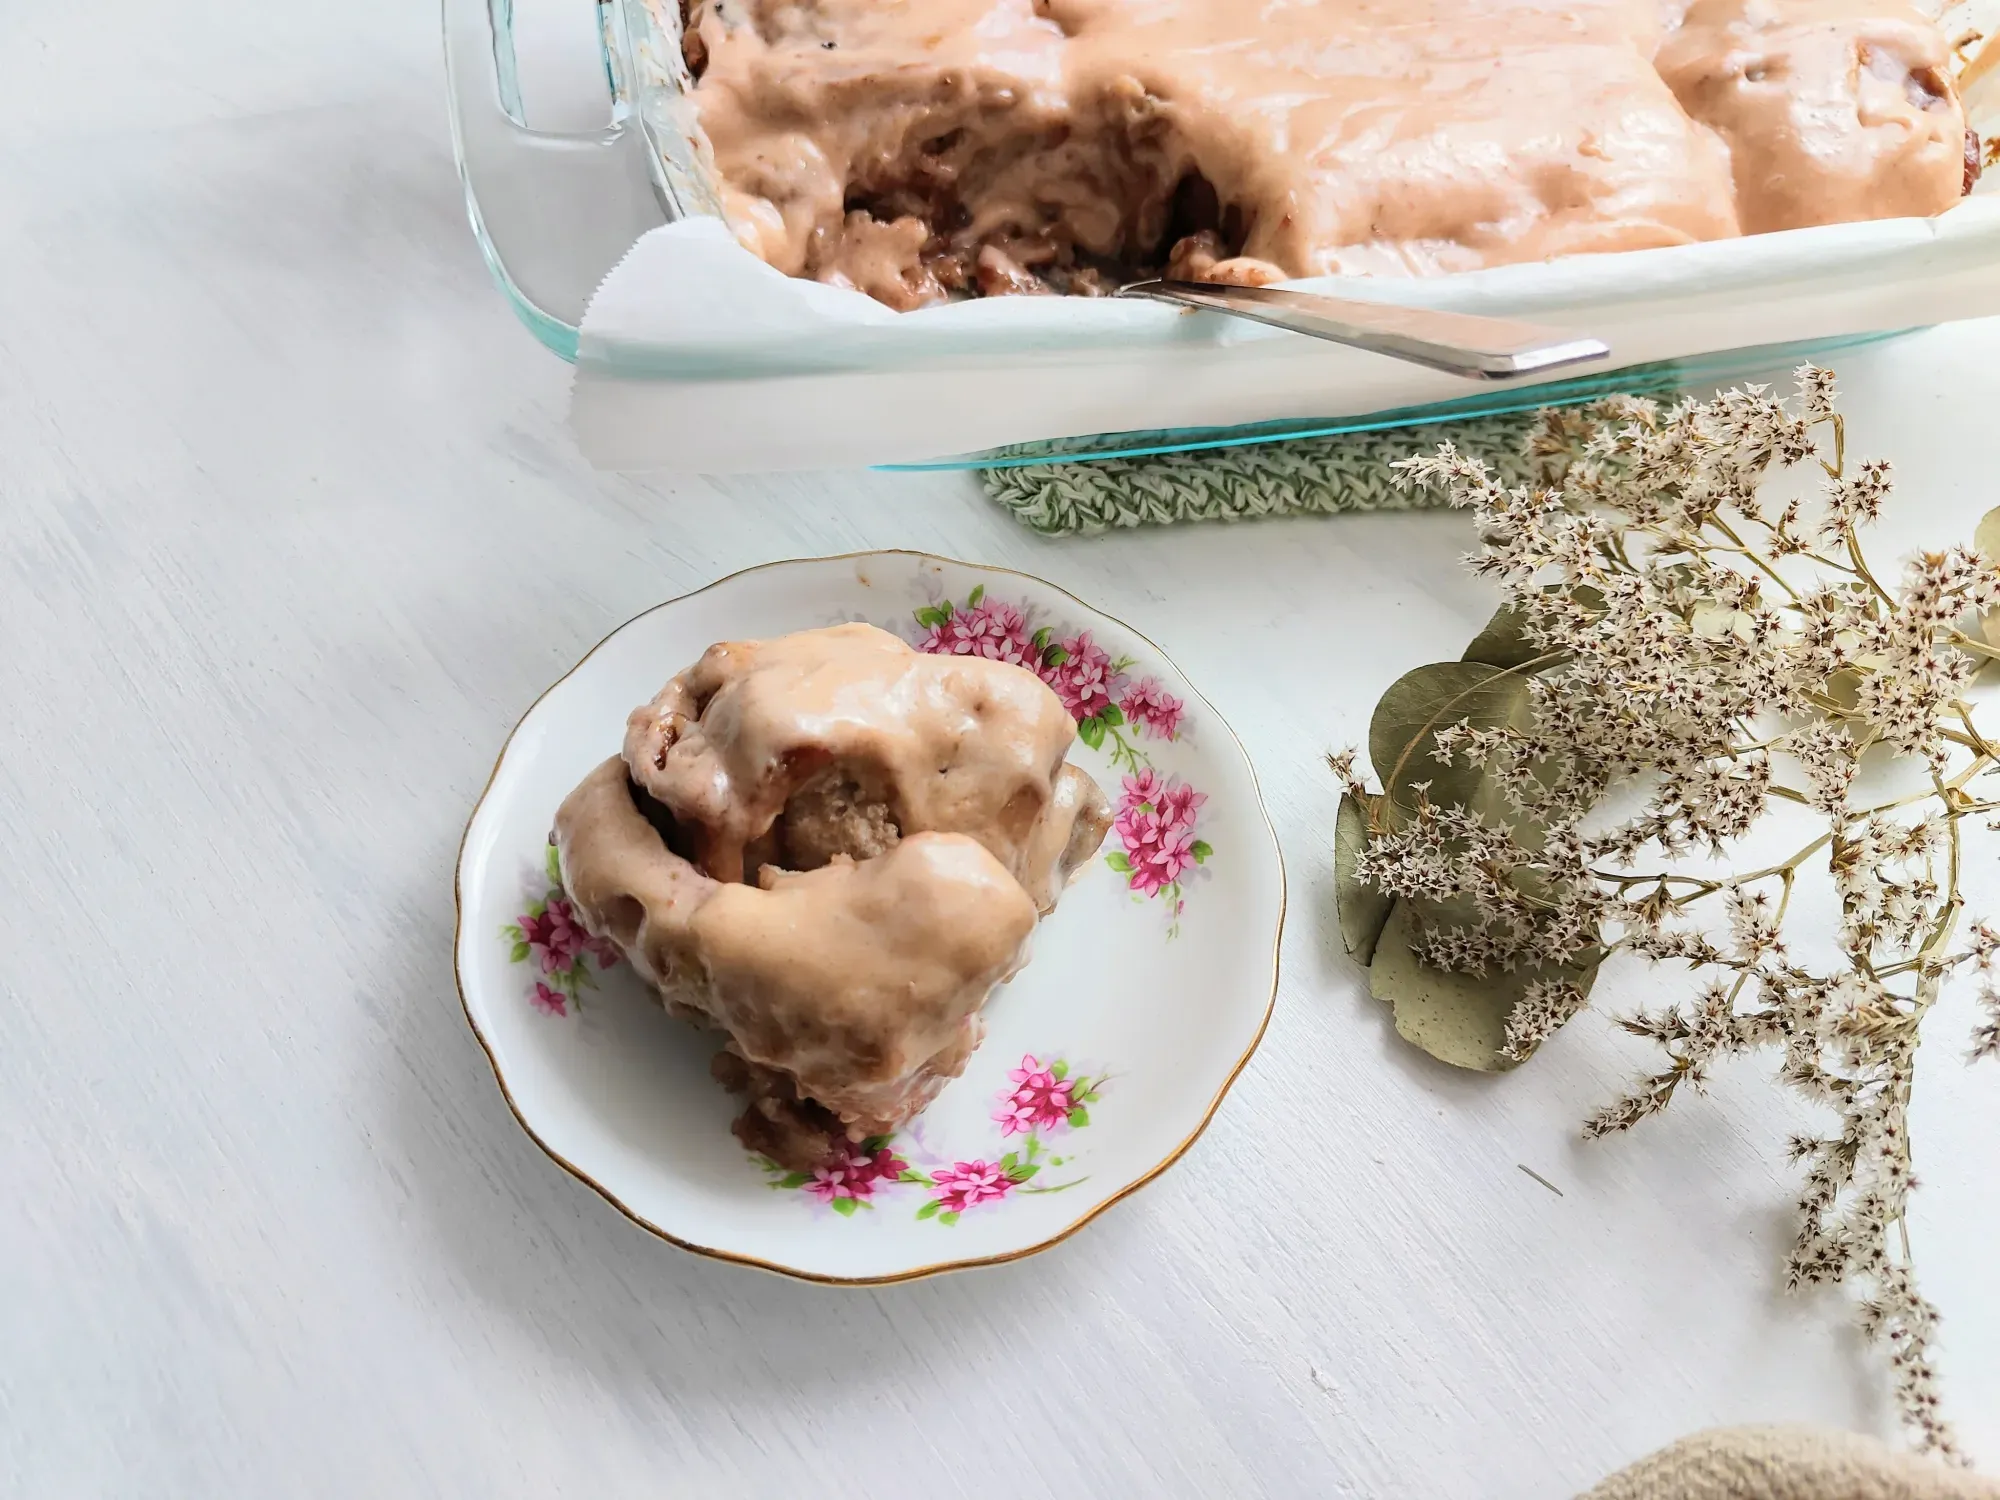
[927, 150]
[833, 849]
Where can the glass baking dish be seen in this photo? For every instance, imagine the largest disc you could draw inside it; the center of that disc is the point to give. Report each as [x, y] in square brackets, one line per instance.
[554, 211]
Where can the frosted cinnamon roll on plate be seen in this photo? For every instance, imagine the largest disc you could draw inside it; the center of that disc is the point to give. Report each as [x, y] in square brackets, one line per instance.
[833, 848]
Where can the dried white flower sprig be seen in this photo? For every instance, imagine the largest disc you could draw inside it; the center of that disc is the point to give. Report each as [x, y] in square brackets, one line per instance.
[1679, 657]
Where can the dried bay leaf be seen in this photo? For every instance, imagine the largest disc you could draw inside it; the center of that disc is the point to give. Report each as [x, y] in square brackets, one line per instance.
[1460, 1019]
[1504, 642]
[1362, 908]
[1843, 691]
[1986, 540]
[1419, 703]
[1986, 535]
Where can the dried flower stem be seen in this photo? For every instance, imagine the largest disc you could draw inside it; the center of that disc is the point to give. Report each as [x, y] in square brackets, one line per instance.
[1686, 638]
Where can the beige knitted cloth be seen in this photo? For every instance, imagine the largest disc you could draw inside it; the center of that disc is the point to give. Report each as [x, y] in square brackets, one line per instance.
[1789, 1463]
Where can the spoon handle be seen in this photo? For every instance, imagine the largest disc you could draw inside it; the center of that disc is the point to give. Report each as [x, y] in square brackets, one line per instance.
[1458, 343]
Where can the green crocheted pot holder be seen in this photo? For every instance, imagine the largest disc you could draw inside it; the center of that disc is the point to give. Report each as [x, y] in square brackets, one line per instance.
[1304, 476]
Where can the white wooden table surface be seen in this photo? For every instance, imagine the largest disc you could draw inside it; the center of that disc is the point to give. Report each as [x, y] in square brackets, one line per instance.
[291, 532]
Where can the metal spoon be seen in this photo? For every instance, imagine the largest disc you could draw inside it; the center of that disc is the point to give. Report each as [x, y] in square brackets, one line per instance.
[1458, 343]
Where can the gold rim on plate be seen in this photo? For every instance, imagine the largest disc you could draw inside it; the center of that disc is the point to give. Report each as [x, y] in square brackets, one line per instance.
[1215, 1104]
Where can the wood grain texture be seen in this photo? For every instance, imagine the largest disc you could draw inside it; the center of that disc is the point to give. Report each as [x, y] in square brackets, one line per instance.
[291, 532]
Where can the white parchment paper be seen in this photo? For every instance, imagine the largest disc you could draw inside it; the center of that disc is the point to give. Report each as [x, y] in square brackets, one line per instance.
[696, 356]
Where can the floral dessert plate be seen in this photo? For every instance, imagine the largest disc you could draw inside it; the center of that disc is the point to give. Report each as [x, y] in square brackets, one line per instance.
[1104, 1058]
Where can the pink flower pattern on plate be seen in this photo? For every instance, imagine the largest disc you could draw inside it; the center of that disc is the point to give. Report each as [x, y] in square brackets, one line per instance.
[1151, 709]
[967, 1184]
[1142, 786]
[1178, 803]
[549, 935]
[1156, 818]
[1157, 851]
[1083, 678]
[854, 1173]
[1039, 1099]
[1155, 822]
[998, 632]
[558, 940]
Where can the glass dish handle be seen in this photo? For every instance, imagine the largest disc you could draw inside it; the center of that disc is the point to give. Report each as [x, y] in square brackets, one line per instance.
[553, 211]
